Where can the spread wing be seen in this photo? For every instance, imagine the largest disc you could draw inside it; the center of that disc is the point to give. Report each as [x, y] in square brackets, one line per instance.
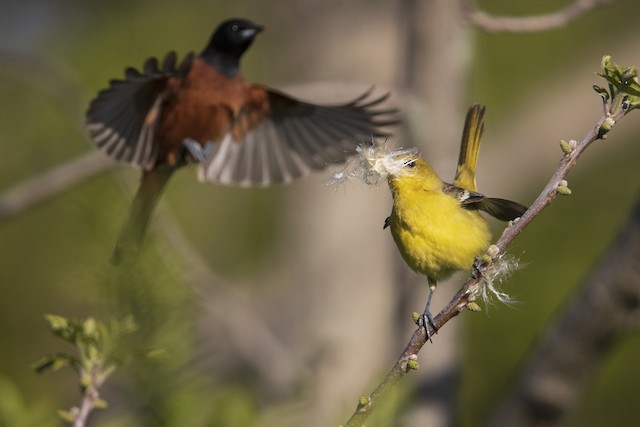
[291, 138]
[122, 119]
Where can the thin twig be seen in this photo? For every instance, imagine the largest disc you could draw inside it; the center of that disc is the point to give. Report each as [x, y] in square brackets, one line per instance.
[572, 349]
[88, 405]
[59, 81]
[90, 400]
[468, 290]
[527, 24]
[247, 330]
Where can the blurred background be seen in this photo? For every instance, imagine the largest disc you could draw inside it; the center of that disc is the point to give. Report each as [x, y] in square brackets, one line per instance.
[282, 306]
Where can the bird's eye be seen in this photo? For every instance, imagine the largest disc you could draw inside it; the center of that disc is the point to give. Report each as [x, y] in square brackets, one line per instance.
[234, 28]
[410, 164]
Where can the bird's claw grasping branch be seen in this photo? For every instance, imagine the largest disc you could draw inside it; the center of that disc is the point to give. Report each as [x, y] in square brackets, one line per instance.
[621, 96]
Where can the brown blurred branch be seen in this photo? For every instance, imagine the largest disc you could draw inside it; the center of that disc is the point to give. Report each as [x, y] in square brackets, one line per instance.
[45, 186]
[234, 312]
[535, 23]
[614, 111]
[249, 334]
[433, 68]
[237, 314]
[60, 82]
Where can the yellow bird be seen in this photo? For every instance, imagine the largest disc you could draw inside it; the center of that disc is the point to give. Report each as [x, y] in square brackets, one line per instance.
[437, 226]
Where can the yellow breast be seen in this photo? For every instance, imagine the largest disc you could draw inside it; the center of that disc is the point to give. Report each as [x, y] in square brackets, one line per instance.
[434, 234]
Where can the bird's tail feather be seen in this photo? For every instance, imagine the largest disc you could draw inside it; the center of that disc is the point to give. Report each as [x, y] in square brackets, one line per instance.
[135, 227]
[470, 148]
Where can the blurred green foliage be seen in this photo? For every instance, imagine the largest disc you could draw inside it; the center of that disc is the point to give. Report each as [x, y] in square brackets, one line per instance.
[543, 287]
[562, 245]
[54, 257]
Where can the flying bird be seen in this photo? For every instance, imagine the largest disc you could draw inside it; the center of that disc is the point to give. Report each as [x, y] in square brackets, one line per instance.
[201, 110]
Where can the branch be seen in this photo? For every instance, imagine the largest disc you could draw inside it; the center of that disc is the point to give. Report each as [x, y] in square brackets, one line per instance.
[528, 24]
[98, 351]
[59, 81]
[247, 330]
[571, 350]
[45, 186]
[617, 103]
[90, 401]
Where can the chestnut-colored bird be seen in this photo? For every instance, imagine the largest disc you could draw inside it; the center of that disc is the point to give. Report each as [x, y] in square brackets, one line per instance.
[203, 111]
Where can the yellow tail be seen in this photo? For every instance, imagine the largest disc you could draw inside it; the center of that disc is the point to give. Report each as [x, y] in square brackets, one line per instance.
[469, 148]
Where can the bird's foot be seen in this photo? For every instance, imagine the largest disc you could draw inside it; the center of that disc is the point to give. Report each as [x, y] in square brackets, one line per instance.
[424, 321]
[478, 268]
[198, 152]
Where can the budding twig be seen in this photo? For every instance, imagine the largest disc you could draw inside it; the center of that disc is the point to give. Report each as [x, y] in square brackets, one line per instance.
[622, 96]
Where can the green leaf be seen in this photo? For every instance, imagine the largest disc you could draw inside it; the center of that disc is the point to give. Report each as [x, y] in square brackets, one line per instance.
[602, 91]
[61, 362]
[100, 404]
[100, 347]
[56, 322]
[623, 88]
[633, 92]
[85, 379]
[55, 362]
[633, 89]
[128, 325]
[629, 74]
[89, 327]
[67, 416]
[105, 373]
[613, 80]
[93, 353]
[42, 364]
[156, 353]
[63, 327]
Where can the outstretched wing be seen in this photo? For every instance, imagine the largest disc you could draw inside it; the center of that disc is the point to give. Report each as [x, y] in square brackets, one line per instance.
[122, 119]
[291, 138]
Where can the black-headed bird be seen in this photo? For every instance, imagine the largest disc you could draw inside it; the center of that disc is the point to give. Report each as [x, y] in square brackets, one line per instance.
[202, 110]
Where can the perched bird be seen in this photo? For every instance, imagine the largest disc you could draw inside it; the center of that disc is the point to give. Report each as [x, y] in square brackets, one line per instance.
[202, 110]
[437, 226]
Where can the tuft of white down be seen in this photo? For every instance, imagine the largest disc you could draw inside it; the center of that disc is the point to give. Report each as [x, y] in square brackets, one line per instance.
[373, 164]
[495, 275]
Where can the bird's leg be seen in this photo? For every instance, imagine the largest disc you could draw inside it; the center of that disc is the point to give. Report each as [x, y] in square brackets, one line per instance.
[427, 319]
[198, 152]
[478, 268]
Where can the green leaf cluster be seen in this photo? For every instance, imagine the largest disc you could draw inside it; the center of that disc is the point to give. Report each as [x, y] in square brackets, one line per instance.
[94, 342]
[99, 349]
[623, 90]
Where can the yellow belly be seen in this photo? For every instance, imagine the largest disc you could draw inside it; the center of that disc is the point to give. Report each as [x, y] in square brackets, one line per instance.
[435, 235]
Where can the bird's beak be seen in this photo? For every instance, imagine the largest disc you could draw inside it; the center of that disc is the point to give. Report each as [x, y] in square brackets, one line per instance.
[250, 33]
